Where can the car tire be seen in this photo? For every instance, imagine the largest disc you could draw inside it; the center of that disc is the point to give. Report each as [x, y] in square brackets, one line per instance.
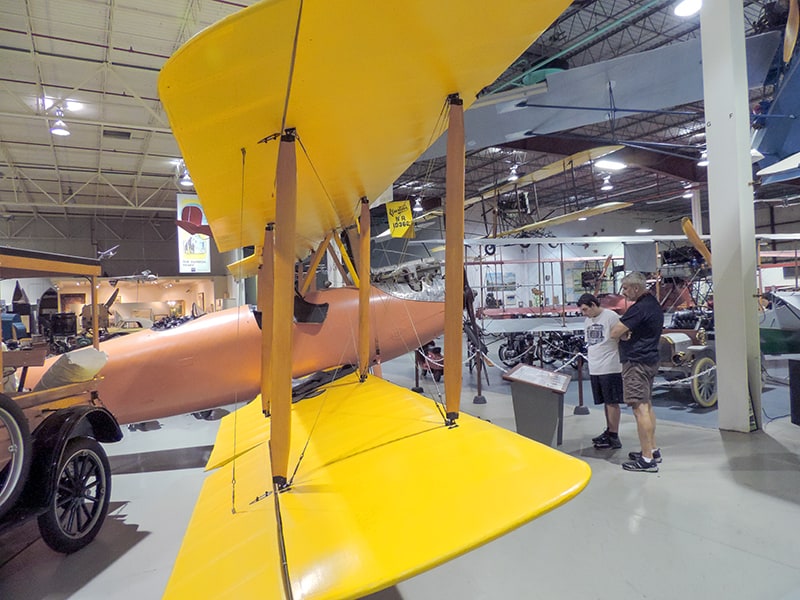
[15, 434]
[81, 499]
[704, 381]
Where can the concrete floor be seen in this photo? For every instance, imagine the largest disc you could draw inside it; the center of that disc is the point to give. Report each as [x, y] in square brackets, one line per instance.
[721, 519]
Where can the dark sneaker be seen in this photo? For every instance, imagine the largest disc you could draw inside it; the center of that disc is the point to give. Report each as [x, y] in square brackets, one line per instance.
[609, 442]
[600, 438]
[640, 464]
[637, 455]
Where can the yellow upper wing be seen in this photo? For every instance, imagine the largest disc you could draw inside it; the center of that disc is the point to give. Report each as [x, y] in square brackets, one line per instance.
[368, 87]
[384, 491]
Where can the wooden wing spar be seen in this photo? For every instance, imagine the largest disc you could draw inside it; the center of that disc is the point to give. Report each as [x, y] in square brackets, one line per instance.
[298, 113]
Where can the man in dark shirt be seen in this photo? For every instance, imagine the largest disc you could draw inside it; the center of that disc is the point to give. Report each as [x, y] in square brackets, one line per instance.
[639, 332]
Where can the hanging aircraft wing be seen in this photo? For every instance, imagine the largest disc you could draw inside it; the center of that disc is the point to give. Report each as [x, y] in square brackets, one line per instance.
[599, 209]
[649, 81]
[591, 211]
[383, 491]
[779, 138]
[555, 168]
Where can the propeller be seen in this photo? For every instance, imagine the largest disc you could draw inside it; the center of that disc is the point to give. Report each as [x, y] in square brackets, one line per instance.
[792, 27]
[599, 283]
[111, 299]
[691, 234]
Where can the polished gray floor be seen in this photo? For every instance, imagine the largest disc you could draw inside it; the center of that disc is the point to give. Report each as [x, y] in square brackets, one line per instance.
[721, 519]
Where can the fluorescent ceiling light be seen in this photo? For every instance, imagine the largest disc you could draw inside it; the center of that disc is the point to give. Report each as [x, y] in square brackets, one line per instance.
[687, 195]
[610, 165]
[644, 230]
[581, 218]
[687, 8]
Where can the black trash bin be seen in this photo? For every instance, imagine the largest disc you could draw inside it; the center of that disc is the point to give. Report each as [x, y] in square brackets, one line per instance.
[794, 390]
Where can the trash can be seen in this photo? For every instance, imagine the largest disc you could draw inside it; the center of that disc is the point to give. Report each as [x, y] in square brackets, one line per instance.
[794, 390]
[537, 396]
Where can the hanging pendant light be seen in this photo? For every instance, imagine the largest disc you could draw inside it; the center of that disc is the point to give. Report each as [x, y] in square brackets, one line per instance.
[59, 127]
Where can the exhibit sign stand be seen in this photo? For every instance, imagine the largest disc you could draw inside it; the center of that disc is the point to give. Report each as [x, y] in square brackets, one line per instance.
[538, 399]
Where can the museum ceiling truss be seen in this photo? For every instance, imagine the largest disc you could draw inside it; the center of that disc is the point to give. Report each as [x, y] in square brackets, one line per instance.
[94, 67]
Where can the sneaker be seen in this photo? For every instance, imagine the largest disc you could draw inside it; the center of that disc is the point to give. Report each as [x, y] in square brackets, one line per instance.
[600, 438]
[641, 464]
[636, 455]
[609, 442]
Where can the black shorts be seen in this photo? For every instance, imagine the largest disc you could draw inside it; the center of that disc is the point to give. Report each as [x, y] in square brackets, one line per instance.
[607, 389]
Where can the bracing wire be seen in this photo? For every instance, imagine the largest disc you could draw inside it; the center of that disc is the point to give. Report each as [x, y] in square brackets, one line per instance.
[316, 174]
[308, 437]
[287, 580]
[238, 330]
[291, 66]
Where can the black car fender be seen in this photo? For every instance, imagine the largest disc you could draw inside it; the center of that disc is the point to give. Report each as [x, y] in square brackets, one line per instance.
[51, 437]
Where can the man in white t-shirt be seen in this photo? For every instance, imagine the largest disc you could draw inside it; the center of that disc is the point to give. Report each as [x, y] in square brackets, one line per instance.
[605, 369]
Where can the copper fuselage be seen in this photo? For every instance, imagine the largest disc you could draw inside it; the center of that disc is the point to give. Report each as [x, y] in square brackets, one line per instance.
[215, 359]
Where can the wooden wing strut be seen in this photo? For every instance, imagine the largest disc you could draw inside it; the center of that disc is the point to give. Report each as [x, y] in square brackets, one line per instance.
[454, 258]
[280, 383]
[363, 290]
[266, 300]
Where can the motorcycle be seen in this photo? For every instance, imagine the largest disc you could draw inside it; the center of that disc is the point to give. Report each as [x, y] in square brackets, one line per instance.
[430, 361]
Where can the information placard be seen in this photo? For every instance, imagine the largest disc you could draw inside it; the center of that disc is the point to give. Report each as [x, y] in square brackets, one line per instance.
[550, 380]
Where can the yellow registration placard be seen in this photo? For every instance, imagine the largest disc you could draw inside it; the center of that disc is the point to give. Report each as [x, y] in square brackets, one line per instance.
[400, 219]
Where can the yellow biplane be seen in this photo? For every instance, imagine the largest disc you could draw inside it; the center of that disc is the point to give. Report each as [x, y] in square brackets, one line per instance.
[292, 116]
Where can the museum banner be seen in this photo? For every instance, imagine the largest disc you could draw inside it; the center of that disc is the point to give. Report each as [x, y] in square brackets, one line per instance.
[194, 236]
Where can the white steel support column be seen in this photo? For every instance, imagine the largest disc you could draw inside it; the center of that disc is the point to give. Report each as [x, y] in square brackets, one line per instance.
[731, 213]
[697, 212]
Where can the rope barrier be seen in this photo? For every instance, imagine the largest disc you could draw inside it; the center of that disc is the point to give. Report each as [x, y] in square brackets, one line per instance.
[685, 379]
[437, 363]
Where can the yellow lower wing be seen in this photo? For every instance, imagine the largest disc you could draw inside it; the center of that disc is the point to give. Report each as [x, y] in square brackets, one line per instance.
[384, 491]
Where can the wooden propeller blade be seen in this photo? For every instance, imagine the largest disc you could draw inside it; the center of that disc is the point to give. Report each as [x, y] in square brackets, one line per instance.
[599, 283]
[792, 26]
[691, 234]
